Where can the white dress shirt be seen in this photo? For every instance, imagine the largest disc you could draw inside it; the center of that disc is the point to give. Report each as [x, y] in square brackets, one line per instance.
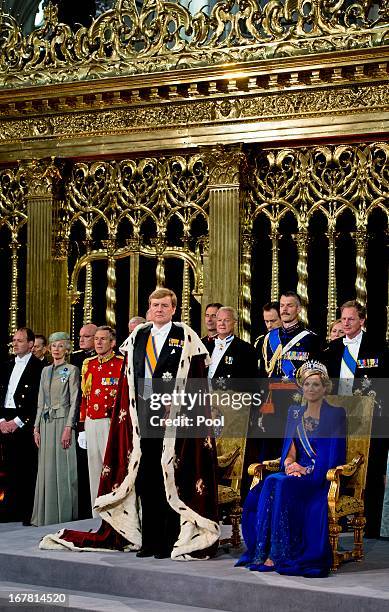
[16, 374]
[346, 376]
[221, 345]
[159, 335]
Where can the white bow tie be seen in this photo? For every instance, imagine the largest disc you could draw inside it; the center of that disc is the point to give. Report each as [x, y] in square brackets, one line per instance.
[347, 341]
[160, 332]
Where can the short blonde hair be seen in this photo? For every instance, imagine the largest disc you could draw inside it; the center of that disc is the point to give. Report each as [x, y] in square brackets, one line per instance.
[161, 292]
[231, 310]
[333, 325]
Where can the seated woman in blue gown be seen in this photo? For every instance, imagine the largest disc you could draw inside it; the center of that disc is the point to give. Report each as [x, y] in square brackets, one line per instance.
[285, 517]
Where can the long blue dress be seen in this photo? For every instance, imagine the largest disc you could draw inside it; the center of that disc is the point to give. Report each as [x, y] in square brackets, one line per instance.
[286, 517]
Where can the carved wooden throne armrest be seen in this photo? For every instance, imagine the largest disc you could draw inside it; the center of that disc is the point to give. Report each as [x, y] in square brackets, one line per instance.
[334, 474]
[345, 505]
[256, 470]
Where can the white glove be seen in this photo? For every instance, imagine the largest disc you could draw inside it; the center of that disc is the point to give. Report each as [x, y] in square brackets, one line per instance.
[82, 440]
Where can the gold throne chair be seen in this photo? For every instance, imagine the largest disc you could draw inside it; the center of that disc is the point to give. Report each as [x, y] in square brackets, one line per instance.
[347, 482]
[348, 501]
[230, 448]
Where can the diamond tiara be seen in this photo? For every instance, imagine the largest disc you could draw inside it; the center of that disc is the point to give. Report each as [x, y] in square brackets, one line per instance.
[310, 366]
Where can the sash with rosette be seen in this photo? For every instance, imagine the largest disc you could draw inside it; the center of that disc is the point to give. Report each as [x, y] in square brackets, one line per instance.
[304, 439]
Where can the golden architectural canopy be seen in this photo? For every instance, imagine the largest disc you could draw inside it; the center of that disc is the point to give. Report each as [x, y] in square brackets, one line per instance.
[230, 151]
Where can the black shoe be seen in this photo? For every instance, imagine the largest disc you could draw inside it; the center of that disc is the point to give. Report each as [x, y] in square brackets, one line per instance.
[144, 552]
[26, 524]
[163, 554]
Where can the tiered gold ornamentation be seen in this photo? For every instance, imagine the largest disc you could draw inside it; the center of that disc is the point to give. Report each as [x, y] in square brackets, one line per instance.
[154, 117]
[164, 35]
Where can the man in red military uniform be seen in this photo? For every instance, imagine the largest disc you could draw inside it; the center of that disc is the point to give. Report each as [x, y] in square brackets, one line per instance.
[100, 377]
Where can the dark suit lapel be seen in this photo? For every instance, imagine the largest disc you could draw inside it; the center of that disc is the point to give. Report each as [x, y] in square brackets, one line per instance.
[336, 359]
[369, 350]
[4, 377]
[26, 376]
[167, 349]
[11, 365]
[140, 351]
[222, 363]
[363, 347]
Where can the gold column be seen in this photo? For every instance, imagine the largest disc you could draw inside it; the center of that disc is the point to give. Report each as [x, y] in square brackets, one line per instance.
[159, 244]
[110, 312]
[61, 302]
[160, 272]
[40, 177]
[275, 289]
[185, 299]
[224, 223]
[134, 276]
[88, 305]
[302, 240]
[360, 237]
[13, 307]
[73, 299]
[203, 271]
[332, 302]
[245, 275]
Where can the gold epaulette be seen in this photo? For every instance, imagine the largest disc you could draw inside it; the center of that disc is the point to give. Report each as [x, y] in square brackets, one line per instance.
[258, 339]
[275, 358]
[86, 382]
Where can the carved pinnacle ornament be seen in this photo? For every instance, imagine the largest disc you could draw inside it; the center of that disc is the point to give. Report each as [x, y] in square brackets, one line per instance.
[40, 176]
[224, 164]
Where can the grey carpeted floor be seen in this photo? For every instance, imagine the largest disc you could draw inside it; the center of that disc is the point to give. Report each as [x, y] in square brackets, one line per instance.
[118, 581]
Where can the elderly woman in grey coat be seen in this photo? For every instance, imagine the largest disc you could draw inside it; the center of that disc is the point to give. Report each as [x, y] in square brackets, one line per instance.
[54, 434]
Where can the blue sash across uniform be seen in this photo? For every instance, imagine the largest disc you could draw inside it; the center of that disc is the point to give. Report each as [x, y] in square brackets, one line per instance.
[275, 341]
[349, 360]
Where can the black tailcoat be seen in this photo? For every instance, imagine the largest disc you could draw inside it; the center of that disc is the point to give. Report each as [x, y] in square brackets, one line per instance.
[238, 362]
[160, 524]
[239, 365]
[77, 358]
[20, 452]
[168, 359]
[26, 393]
[369, 350]
[372, 363]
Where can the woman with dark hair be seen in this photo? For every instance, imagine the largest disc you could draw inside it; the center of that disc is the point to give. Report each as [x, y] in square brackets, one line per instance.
[54, 434]
[285, 517]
